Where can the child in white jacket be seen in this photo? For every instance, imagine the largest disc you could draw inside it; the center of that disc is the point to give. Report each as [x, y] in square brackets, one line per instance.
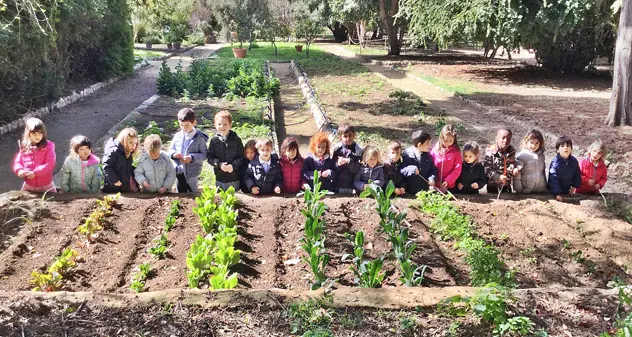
[155, 171]
[532, 176]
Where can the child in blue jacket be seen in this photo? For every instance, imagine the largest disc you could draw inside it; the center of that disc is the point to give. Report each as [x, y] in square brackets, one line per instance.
[564, 174]
[419, 168]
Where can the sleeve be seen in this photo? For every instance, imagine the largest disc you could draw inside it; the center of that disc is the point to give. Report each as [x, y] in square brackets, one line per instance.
[65, 176]
[582, 170]
[172, 147]
[249, 178]
[239, 160]
[49, 163]
[308, 170]
[489, 167]
[335, 155]
[279, 178]
[170, 179]
[211, 157]
[17, 163]
[357, 182]
[604, 177]
[408, 167]
[481, 178]
[456, 171]
[139, 174]
[200, 153]
[554, 181]
[518, 184]
[432, 174]
[334, 173]
[109, 160]
[577, 176]
[96, 180]
[380, 177]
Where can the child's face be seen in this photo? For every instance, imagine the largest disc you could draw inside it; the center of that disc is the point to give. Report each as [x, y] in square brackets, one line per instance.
[250, 154]
[447, 141]
[348, 138]
[132, 143]
[187, 126]
[265, 152]
[595, 155]
[35, 137]
[84, 152]
[503, 139]
[320, 149]
[394, 155]
[154, 154]
[533, 145]
[565, 150]
[371, 162]
[222, 126]
[424, 147]
[470, 157]
[290, 153]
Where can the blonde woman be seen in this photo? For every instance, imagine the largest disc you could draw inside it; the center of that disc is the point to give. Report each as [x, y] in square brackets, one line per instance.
[117, 162]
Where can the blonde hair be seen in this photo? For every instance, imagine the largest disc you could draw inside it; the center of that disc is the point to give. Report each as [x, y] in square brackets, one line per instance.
[597, 146]
[370, 152]
[32, 125]
[263, 142]
[124, 136]
[152, 143]
[449, 130]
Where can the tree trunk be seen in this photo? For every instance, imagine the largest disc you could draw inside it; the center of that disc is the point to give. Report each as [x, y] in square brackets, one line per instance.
[620, 103]
[361, 31]
[374, 35]
[340, 32]
[394, 46]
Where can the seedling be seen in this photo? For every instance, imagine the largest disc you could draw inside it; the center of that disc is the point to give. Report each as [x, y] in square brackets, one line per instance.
[45, 281]
[66, 261]
[313, 243]
[206, 208]
[228, 197]
[199, 259]
[160, 249]
[412, 275]
[368, 272]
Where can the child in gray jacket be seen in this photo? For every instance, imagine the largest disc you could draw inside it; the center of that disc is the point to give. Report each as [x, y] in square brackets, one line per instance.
[372, 170]
[81, 171]
[155, 171]
[188, 151]
[530, 162]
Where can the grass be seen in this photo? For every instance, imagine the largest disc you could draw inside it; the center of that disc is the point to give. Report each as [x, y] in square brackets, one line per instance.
[148, 54]
[460, 87]
[365, 50]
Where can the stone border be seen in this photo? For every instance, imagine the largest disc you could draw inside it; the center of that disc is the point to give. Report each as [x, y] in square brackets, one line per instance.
[271, 114]
[320, 116]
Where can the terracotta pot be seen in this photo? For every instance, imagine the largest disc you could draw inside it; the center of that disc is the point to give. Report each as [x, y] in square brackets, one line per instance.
[169, 45]
[299, 48]
[177, 45]
[148, 45]
[240, 53]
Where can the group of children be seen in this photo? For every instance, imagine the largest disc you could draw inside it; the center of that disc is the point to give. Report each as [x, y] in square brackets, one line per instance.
[347, 169]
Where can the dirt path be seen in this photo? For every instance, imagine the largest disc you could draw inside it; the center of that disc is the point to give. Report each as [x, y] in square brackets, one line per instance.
[293, 117]
[93, 116]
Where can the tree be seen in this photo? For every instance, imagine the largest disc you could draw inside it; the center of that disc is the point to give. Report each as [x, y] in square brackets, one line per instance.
[388, 10]
[307, 27]
[621, 102]
[246, 17]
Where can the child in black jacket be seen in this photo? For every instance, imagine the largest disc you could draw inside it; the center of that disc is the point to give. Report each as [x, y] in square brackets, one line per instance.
[393, 167]
[419, 168]
[264, 174]
[473, 176]
[347, 155]
[225, 152]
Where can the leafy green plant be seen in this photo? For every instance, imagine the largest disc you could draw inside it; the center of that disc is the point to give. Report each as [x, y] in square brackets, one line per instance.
[45, 281]
[64, 262]
[412, 275]
[137, 285]
[94, 222]
[367, 272]
[159, 250]
[199, 259]
[228, 197]
[308, 316]
[623, 324]
[220, 278]
[152, 128]
[206, 209]
[173, 215]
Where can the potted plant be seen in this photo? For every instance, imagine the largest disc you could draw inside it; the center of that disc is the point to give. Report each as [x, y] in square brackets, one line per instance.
[177, 44]
[240, 52]
[149, 40]
[169, 40]
[299, 48]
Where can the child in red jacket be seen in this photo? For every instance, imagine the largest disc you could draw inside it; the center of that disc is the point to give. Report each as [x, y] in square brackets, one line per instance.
[35, 161]
[447, 158]
[593, 169]
[291, 165]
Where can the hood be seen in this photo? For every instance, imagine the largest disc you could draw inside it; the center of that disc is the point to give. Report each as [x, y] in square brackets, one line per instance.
[93, 160]
[199, 133]
[113, 144]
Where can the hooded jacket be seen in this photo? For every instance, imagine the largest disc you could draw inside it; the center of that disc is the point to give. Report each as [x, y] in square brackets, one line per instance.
[422, 161]
[312, 163]
[158, 173]
[470, 173]
[347, 172]
[77, 177]
[292, 174]
[375, 174]
[226, 150]
[39, 161]
[564, 174]
[117, 167]
[448, 164]
[588, 171]
[266, 181]
[196, 149]
[532, 178]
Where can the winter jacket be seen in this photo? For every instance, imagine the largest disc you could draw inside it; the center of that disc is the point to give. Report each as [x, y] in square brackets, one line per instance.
[39, 161]
[242, 175]
[499, 163]
[292, 174]
[312, 164]
[117, 167]
[413, 161]
[226, 150]
[532, 178]
[588, 171]
[392, 172]
[448, 164]
[366, 173]
[77, 177]
[266, 181]
[196, 148]
[564, 174]
[470, 173]
[347, 172]
[158, 173]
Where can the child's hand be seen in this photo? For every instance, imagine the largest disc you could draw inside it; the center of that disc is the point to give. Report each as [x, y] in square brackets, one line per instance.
[366, 187]
[502, 179]
[229, 168]
[559, 198]
[29, 174]
[325, 173]
[223, 167]
[255, 190]
[517, 170]
[591, 182]
[277, 190]
[597, 187]
[431, 183]
[21, 173]
[460, 186]
[474, 186]
[162, 190]
[145, 184]
[417, 172]
[572, 191]
[177, 156]
[444, 185]
[118, 183]
[343, 161]
[186, 159]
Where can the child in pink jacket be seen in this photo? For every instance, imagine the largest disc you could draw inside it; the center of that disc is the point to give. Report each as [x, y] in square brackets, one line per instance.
[447, 158]
[593, 169]
[35, 161]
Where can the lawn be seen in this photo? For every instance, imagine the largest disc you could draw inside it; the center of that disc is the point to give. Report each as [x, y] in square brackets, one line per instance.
[371, 50]
[148, 54]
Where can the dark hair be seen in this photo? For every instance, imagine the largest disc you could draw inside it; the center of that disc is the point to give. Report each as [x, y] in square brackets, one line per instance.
[534, 134]
[395, 146]
[504, 129]
[78, 141]
[420, 137]
[186, 115]
[473, 147]
[251, 144]
[345, 128]
[562, 141]
[290, 143]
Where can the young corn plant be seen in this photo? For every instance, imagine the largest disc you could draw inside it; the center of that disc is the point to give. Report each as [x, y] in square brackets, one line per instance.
[313, 243]
[368, 272]
[206, 209]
